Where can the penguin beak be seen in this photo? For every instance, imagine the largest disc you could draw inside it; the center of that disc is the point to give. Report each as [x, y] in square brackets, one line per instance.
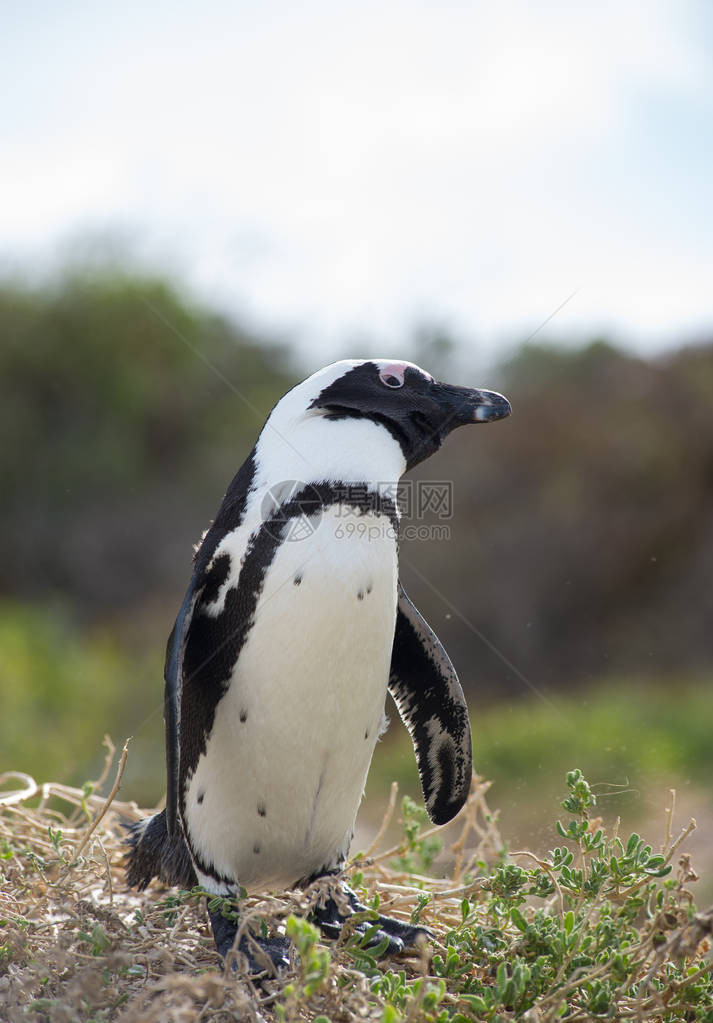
[468, 405]
[489, 406]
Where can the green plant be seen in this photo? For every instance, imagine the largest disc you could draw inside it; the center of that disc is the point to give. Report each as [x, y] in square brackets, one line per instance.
[595, 929]
[419, 850]
[602, 926]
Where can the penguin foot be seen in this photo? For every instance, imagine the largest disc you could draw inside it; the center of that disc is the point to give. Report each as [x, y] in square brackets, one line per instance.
[399, 935]
[264, 955]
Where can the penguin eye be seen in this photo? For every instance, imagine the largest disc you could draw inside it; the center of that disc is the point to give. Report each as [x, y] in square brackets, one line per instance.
[390, 380]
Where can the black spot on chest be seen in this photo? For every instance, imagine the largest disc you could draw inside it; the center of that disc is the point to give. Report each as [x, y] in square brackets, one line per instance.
[214, 641]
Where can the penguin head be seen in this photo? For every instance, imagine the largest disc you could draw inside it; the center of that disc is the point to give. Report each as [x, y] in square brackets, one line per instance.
[416, 410]
[366, 419]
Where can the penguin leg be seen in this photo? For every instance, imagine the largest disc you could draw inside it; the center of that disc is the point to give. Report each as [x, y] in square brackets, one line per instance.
[400, 935]
[264, 955]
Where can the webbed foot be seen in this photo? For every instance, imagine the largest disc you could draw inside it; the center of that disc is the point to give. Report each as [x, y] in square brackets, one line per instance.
[400, 935]
[264, 955]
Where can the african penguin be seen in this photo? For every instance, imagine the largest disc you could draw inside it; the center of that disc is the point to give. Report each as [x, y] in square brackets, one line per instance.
[293, 627]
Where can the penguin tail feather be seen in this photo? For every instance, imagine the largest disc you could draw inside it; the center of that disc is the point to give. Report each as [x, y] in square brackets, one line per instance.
[154, 853]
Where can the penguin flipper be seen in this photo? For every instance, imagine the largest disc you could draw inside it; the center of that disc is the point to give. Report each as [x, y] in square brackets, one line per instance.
[157, 845]
[429, 697]
[173, 675]
[229, 517]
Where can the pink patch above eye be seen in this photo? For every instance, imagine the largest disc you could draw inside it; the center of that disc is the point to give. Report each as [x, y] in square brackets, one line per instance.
[394, 369]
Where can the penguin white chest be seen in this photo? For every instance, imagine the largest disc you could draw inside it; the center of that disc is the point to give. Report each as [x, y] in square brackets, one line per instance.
[274, 797]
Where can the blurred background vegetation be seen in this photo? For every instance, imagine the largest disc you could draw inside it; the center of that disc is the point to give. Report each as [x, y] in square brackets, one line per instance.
[576, 602]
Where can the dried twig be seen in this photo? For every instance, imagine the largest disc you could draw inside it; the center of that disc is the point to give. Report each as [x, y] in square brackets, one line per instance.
[115, 788]
[386, 820]
[17, 795]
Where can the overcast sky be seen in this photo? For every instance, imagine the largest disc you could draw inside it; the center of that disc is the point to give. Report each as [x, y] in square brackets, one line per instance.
[337, 170]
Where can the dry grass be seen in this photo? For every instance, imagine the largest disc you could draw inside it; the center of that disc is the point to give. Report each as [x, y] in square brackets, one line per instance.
[78, 945]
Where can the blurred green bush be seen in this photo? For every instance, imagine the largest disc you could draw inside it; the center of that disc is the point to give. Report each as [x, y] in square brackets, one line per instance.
[63, 689]
[120, 439]
[627, 732]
